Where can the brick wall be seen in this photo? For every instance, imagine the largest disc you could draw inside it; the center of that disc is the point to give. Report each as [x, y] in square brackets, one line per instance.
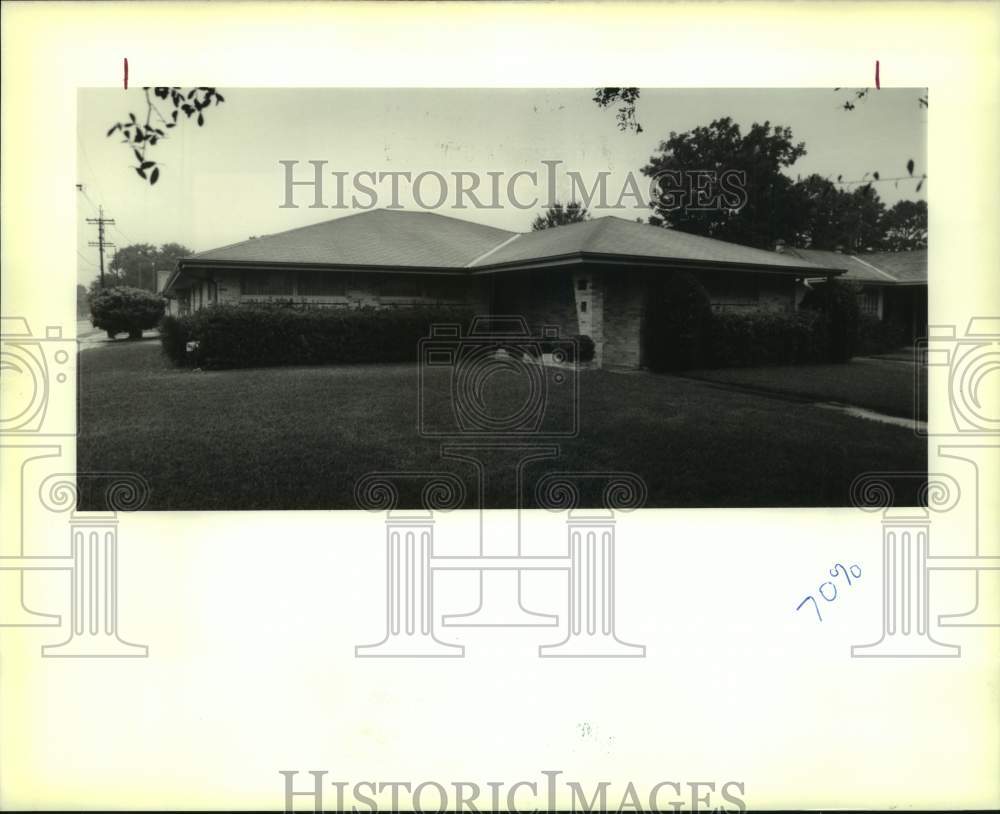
[622, 306]
[543, 297]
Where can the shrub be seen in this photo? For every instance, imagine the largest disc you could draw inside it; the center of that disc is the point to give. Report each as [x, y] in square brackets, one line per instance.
[837, 304]
[676, 323]
[230, 336]
[878, 336]
[762, 338]
[123, 309]
[173, 338]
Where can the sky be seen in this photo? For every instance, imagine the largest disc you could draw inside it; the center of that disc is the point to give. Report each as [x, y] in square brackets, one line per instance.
[222, 183]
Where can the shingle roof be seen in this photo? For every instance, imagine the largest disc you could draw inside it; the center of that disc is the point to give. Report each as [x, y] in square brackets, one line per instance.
[400, 239]
[622, 238]
[380, 237]
[887, 268]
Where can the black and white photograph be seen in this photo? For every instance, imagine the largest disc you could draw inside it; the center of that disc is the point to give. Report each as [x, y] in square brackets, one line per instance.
[720, 292]
[396, 417]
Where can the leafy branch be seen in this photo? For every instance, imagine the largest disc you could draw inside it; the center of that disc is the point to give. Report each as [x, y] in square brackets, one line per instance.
[861, 94]
[605, 97]
[142, 135]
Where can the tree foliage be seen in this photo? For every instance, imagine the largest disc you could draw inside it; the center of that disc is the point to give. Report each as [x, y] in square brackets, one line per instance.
[626, 98]
[136, 265]
[904, 226]
[761, 154]
[834, 218]
[141, 133]
[559, 215]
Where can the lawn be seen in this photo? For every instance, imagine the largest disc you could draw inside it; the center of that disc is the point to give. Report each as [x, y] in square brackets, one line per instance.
[299, 438]
[886, 386]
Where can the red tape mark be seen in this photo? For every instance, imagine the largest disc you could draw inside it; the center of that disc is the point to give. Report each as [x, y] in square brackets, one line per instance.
[877, 85]
[126, 73]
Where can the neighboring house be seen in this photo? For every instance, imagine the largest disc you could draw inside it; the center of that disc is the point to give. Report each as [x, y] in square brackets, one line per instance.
[594, 277]
[892, 285]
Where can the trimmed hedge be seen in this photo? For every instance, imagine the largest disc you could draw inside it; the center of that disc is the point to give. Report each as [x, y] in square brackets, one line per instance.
[230, 336]
[878, 336]
[125, 310]
[751, 339]
[264, 335]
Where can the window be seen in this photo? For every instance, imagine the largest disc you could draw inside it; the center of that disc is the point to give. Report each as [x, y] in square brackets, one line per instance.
[266, 283]
[322, 284]
[869, 301]
[581, 284]
[444, 289]
[733, 290]
[583, 307]
[408, 286]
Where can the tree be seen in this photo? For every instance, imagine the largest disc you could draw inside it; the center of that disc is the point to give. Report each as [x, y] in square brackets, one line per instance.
[904, 226]
[831, 218]
[136, 265]
[767, 211]
[559, 215]
[123, 309]
[864, 219]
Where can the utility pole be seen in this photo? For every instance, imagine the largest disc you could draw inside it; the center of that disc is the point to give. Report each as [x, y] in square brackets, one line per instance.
[101, 243]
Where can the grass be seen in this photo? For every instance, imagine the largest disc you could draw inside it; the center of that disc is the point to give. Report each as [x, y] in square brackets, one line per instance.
[299, 438]
[884, 386]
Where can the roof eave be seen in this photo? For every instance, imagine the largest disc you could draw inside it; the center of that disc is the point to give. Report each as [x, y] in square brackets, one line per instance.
[265, 265]
[646, 261]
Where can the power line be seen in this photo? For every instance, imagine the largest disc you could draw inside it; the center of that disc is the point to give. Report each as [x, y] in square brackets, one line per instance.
[881, 180]
[85, 260]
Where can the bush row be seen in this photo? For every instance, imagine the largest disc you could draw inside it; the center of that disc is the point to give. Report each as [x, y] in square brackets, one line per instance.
[748, 340]
[683, 333]
[228, 336]
[878, 336]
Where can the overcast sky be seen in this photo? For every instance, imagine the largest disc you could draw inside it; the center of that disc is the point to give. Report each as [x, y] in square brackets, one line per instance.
[222, 183]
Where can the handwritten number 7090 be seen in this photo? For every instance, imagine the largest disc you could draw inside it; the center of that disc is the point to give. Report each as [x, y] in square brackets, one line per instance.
[828, 589]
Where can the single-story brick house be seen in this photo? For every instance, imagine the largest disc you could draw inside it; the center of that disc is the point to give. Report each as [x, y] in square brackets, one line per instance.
[592, 277]
[893, 285]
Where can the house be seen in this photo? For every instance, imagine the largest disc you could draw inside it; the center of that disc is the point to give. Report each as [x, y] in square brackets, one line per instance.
[595, 277]
[892, 285]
